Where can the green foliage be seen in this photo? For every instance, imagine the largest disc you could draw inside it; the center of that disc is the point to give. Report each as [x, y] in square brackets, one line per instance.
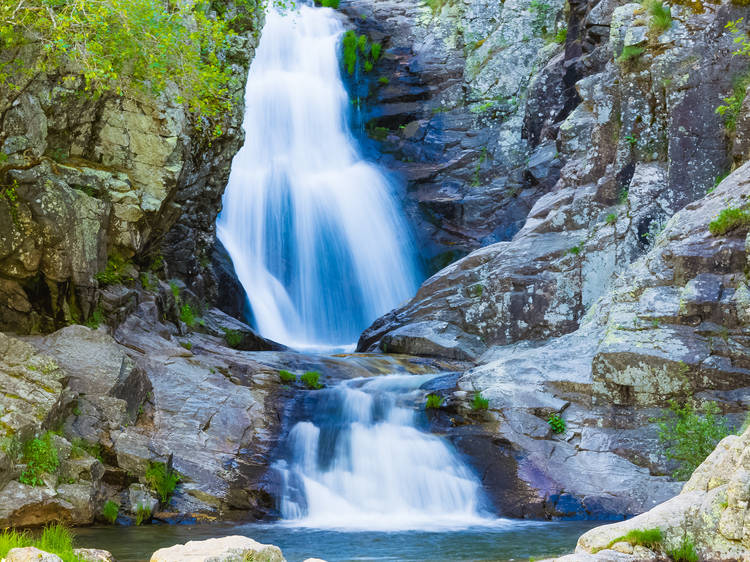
[162, 479]
[685, 552]
[479, 402]
[541, 11]
[175, 288]
[690, 435]
[630, 53]
[611, 218]
[661, 15]
[187, 345]
[187, 315]
[375, 50]
[729, 219]
[557, 424]
[287, 377]
[353, 47]
[96, 318]
[142, 513]
[328, 3]
[81, 448]
[115, 272]
[10, 195]
[110, 511]
[310, 378]
[40, 456]
[10, 539]
[133, 46]
[434, 402]
[650, 538]
[384, 80]
[561, 35]
[631, 140]
[233, 337]
[148, 281]
[436, 5]
[730, 110]
[577, 249]
[54, 538]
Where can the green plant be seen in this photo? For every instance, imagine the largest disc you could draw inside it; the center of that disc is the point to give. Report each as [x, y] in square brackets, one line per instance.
[187, 345]
[162, 479]
[630, 139]
[685, 552]
[57, 539]
[630, 53]
[434, 402]
[661, 15]
[115, 272]
[375, 50]
[96, 318]
[10, 539]
[310, 378]
[233, 337]
[148, 281]
[479, 402]
[287, 377]
[175, 289]
[40, 456]
[354, 46]
[110, 511]
[561, 35]
[730, 109]
[187, 315]
[142, 513]
[76, 410]
[328, 3]
[729, 219]
[556, 422]
[81, 448]
[9, 194]
[384, 80]
[690, 434]
[611, 218]
[650, 538]
[577, 249]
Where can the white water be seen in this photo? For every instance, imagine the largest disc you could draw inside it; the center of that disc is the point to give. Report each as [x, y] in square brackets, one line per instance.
[313, 230]
[362, 463]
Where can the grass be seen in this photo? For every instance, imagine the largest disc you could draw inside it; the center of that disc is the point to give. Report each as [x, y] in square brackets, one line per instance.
[611, 218]
[328, 3]
[287, 377]
[142, 513]
[557, 424]
[685, 552]
[187, 345]
[630, 53]
[479, 402]
[187, 315]
[162, 479]
[729, 219]
[434, 402]
[310, 378]
[661, 15]
[55, 538]
[110, 511]
[233, 337]
[650, 538]
[40, 457]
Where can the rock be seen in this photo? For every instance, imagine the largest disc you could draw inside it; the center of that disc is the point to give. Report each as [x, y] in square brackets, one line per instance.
[220, 324]
[31, 554]
[226, 549]
[434, 339]
[140, 497]
[94, 555]
[709, 511]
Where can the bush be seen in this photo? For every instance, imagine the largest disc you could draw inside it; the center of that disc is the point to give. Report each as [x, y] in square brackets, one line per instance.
[310, 378]
[40, 457]
[479, 402]
[729, 219]
[434, 402]
[287, 377]
[689, 436]
[110, 511]
[162, 479]
[233, 337]
[557, 424]
[134, 46]
[685, 552]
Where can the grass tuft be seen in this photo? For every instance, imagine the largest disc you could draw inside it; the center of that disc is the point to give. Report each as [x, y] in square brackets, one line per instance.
[685, 552]
[287, 377]
[162, 479]
[434, 402]
[630, 53]
[110, 511]
[310, 378]
[729, 219]
[479, 402]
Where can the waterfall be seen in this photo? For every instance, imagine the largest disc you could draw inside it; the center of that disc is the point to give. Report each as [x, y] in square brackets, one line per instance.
[361, 462]
[314, 231]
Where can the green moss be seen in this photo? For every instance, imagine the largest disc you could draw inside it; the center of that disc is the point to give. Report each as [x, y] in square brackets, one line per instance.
[328, 3]
[187, 315]
[384, 80]
[434, 402]
[287, 377]
[729, 219]
[96, 318]
[162, 479]
[310, 378]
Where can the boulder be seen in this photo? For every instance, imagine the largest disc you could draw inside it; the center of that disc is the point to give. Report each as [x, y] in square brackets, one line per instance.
[94, 555]
[227, 549]
[31, 554]
[432, 338]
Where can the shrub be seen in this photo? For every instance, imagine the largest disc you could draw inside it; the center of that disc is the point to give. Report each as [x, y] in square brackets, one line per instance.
[630, 53]
[134, 46]
[310, 378]
[557, 424]
[162, 479]
[611, 218]
[729, 219]
[233, 337]
[40, 457]
[690, 437]
[142, 513]
[685, 552]
[479, 402]
[110, 511]
[287, 377]
[434, 402]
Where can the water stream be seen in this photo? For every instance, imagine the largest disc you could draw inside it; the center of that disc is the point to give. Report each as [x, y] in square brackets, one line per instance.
[313, 229]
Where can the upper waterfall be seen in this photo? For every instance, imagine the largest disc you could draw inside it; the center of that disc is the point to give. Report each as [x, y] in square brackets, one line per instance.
[314, 231]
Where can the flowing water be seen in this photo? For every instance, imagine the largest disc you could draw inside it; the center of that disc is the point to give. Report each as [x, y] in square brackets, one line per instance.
[315, 234]
[361, 461]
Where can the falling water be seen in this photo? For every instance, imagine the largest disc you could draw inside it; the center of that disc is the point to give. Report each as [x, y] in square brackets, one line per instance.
[313, 229]
[362, 462]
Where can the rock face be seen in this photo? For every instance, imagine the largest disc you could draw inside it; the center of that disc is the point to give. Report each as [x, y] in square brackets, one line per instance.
[226, 549]
[89, 179]
[711, 511]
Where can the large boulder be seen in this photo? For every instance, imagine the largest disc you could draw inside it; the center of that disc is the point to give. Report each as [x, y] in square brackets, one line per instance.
[227, 549]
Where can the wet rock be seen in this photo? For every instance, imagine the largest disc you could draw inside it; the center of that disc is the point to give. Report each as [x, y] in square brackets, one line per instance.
[237, 334]
[226, 549]
[434, 338]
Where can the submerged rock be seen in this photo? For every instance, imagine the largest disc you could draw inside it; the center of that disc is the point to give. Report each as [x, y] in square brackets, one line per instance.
[227, 549]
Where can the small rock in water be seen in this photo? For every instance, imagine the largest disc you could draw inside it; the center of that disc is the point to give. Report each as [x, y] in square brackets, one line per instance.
[226, 549]
[29, 554]
[94, 555]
